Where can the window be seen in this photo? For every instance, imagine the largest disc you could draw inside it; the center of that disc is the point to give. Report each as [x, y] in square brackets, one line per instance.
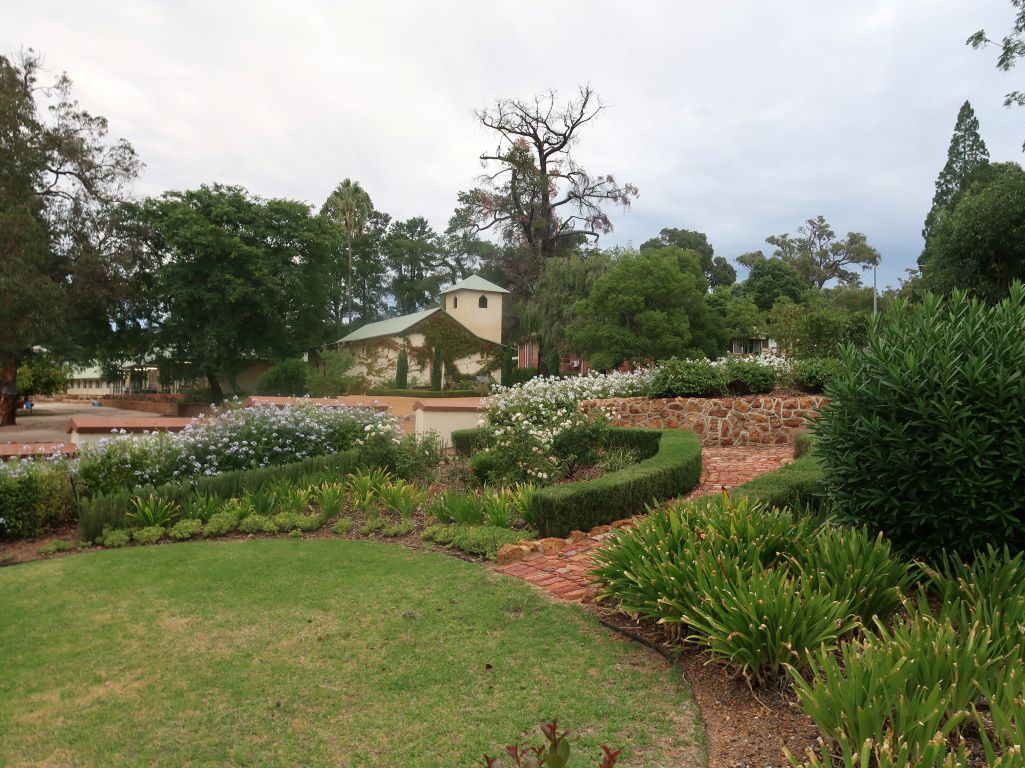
[455, 302]
[482, 302]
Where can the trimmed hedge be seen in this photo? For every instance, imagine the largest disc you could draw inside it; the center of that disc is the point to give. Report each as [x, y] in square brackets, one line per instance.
[424, 393]
[672, 471]
[111, 510]
[803, 444]
[467, 442]
[799, 484]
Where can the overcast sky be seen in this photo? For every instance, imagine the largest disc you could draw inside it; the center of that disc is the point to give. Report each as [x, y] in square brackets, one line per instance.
[738, 119]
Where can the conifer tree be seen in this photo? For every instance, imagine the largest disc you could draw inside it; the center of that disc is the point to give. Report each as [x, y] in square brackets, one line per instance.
[965, 156]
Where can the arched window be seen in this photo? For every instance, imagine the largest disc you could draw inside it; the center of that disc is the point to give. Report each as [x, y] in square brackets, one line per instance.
[482, 302]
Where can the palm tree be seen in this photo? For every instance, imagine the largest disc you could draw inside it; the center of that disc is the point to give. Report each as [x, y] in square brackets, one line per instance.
[348, 207]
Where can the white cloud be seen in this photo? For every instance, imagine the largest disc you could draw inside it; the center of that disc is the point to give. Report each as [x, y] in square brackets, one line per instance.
[740, 119]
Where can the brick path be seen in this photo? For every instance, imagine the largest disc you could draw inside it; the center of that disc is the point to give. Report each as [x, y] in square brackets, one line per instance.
[564, 574]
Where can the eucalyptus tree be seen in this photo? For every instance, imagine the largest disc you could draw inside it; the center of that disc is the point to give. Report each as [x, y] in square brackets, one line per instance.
[65, 275]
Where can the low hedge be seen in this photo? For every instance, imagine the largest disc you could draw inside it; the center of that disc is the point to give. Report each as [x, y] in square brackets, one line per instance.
[111, 510]
[467, 442]
[803, 444]
[672, 471]
[799, 484]
[425, 393]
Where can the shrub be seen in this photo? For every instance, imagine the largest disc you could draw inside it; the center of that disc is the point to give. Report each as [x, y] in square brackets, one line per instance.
[483, 540]
[115, 538]
[257, 523]
[457, 507]
[186, 528]
[148, 535]
[373, 524]
[520, 376]
[35, 496]
[342, 527]
[615, 459]
[399, 529]
[801, 484]
[673, 471]
[929, 412]
[286, 378]
[55, 546]
[221, 523]
[330, 499]
[803, 444]
[402, 369]
[468, 441]
[286, 521]
[814, 374]
[688, 378]
[744, 377]
[485, 466]
[499, 507]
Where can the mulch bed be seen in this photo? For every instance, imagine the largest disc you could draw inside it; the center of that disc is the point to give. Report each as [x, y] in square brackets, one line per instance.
[744, 729]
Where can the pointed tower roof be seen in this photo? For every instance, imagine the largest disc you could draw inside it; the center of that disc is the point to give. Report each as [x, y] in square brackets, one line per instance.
[475, 283]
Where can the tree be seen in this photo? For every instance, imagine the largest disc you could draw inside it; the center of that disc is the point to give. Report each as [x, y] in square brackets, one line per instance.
[40, 374]
[741, 317]
[536, 194]
[979, 246]
[237, 279]
[717, 270]
[286, 378]
[965, 156]
[818, 256]
[1012, 48]
[770, 280]
[348, 208]
[63, 273]
[402, 369]
[646, 307]
[564, 280]
[331, 377]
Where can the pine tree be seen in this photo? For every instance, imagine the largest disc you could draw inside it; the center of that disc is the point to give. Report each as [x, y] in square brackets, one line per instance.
[965, 156]
[402, 370]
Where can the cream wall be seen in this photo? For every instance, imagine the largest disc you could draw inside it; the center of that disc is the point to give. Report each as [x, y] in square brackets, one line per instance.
[464, 306]
[382, 367]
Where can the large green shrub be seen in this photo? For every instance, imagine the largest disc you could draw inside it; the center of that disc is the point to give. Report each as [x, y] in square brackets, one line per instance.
[402, 369]
[814, 374]
[924, 437]
[703, 378]
[35, 496]
[286, 378]
[673, 471]
[468, 441]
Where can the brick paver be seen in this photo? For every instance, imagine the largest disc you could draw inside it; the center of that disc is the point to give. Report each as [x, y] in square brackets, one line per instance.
[564, 574]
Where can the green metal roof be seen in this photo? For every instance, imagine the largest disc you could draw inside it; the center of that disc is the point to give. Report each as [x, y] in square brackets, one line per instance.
[393, 326]
[475, 283]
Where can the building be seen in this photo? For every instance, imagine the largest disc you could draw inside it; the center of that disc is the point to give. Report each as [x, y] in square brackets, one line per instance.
[464, 333]
[755, 344]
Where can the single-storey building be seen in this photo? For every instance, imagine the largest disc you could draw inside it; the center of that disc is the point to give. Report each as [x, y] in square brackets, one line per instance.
[464, 334]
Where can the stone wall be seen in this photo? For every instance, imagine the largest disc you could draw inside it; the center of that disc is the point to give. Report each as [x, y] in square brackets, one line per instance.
[750, 420]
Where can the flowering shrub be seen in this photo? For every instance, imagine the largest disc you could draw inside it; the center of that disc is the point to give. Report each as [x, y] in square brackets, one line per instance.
[232, 439]
[535, 430]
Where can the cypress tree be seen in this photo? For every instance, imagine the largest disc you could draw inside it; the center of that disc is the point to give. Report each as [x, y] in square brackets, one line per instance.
[436, 365]
[965, 156]
[402, 370]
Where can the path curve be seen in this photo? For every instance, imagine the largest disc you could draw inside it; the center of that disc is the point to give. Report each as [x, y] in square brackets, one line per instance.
[565, 574]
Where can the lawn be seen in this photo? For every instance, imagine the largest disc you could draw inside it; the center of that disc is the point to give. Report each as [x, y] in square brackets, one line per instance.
[313, 653]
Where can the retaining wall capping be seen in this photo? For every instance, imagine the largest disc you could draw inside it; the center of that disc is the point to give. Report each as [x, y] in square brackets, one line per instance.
[748, 420]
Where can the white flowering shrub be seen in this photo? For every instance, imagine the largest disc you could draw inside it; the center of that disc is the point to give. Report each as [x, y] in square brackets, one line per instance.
[34, 496]
[231, 439]
[536, 431]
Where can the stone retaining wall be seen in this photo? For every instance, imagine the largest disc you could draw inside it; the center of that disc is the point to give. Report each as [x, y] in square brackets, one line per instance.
[750, 420]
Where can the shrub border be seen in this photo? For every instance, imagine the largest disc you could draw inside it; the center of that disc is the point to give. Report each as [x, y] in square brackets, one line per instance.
[111, 510]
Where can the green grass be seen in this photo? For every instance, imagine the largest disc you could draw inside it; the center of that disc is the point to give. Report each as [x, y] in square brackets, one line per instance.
[313, 653]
